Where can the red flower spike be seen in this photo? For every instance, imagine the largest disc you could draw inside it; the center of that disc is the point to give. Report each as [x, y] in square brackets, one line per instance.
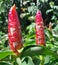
[14, 30]
[40, 35]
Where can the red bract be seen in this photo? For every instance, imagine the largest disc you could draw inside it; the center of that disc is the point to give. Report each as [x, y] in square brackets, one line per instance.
[14, 30]
[40, 36]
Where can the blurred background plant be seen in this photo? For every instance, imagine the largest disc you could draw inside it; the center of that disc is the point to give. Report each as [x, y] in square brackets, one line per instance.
[26, 12]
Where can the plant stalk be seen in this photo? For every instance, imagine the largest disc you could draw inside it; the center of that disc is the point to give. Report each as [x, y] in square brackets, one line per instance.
[41, 60]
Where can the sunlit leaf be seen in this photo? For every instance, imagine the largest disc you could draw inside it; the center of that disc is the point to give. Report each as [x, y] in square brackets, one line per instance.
[4, 54]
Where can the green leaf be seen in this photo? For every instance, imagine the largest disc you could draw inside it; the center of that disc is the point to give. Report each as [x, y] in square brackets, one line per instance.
[47, 51]
[4, 54]
[47, 61]
[48, 11]
[5, 63]
[27, 61]
[36, 61]
[18, 61]
[34, 50]
[51, 4]
[48, 33]
[55, 62]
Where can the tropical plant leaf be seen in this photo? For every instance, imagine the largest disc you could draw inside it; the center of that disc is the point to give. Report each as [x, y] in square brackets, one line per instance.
[4, 54]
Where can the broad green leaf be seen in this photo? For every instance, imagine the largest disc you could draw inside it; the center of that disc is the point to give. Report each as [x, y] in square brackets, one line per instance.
[34, 50]
[4, 54]
[18, 61]
[5, 63]
[47, 59]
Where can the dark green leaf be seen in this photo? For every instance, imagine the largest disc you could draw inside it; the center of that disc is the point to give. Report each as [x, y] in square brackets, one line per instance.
[27, 61]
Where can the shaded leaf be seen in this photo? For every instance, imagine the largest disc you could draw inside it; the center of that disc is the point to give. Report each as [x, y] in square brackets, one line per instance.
[27, 61]
[5, 63]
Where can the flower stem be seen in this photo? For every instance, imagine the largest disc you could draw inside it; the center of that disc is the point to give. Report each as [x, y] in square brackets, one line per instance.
[41, 60]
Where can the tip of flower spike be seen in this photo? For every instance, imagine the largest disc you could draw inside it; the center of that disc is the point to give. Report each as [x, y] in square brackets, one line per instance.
[13, 7]
[39, 16]
[38, 12]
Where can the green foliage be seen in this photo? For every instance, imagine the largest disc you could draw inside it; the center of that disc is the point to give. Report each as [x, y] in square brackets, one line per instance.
[4, 54]
[5, 63]
[4, 7]
[30, 53]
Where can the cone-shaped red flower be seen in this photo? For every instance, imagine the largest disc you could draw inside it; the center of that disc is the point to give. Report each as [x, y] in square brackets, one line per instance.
[40, 35]
[14, 30]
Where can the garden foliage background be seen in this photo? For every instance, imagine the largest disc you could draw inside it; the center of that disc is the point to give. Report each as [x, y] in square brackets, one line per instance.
[26, 12]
